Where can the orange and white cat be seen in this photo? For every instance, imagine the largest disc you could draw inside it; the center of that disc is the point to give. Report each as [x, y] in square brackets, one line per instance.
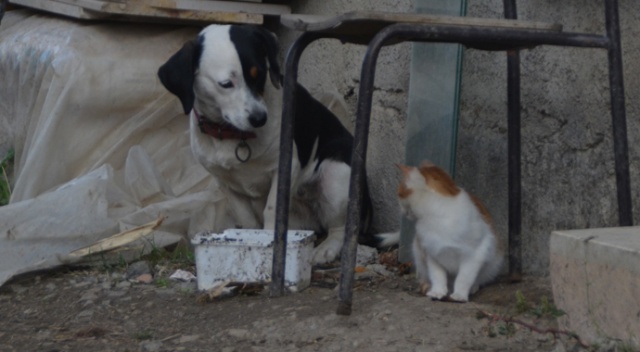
[454, 233]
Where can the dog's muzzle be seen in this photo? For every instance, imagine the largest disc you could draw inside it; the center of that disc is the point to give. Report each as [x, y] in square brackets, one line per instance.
[258, 119]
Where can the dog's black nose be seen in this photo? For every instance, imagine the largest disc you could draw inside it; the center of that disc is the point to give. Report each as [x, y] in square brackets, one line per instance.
[258, 119]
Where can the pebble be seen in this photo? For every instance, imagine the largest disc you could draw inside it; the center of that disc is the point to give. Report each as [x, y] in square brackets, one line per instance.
[559, 347]
[187, 338]
[123, 284]
[380, 269]
[90, 295]
[239, 333]
[85, 314]
[138, 268]
[18, 289]
[150, 346]
[116, 294]
[366, 255]
[144, 279]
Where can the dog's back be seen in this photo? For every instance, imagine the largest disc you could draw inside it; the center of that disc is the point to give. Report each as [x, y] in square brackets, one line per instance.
[315, 123]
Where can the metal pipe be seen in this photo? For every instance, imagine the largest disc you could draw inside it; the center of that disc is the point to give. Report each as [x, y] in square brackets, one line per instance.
[618, 114]
[514, 154]
[3, 8]
[276, 288]
[358, 161]
[495, 38]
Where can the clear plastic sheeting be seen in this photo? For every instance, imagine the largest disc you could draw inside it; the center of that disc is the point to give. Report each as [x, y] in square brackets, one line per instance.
[100, 146]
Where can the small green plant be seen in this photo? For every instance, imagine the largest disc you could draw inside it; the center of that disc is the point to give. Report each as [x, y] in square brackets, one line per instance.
[162, 282]
[522, 306]
[5, 186]
[628, 346]
[181, 255]
[108, 264]
[506, 329]
[143, 335]
[544, 308]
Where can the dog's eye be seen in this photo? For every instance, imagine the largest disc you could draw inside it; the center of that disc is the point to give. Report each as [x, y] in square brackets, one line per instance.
[226, 84]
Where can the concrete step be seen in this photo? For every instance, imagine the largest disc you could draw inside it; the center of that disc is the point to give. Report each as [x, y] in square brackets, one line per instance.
[595, 277]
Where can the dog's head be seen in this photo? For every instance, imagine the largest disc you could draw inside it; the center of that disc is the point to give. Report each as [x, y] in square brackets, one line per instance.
[223, 72]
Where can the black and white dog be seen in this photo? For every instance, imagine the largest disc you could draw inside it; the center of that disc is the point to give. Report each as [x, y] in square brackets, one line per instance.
[221, 80]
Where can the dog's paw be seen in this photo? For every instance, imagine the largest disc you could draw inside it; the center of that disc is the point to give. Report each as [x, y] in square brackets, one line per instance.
[326, 252]
[437, 294]
[459, 297]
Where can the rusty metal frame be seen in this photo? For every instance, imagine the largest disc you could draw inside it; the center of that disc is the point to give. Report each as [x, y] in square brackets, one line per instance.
[482, 38]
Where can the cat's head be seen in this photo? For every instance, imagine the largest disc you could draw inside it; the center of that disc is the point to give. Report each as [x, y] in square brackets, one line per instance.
[426, 177]
[421, 183]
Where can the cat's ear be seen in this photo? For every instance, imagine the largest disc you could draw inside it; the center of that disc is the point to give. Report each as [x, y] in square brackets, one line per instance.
[426, 163]
[404, 168]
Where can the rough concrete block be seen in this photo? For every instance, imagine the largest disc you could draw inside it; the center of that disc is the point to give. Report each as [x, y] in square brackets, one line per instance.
[595, 277]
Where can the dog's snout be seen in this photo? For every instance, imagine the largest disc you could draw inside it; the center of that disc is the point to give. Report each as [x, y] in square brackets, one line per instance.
[258, 119]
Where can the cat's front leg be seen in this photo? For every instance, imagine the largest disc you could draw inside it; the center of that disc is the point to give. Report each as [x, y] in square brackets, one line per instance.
[420, 263]
[465, 280]
[438, 278]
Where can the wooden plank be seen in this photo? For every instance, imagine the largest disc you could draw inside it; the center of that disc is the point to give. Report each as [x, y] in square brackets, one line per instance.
[221, 6]
[139, 9]
[181, 11]
[360, 21]
[57, 8]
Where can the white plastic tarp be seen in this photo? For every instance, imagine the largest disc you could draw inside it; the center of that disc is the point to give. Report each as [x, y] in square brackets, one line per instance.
[101, 147]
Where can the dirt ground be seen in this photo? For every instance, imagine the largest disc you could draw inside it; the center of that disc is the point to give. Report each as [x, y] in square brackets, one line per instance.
[100, 310]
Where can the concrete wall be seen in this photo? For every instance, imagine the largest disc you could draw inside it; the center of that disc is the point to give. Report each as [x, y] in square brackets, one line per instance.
[568, 178]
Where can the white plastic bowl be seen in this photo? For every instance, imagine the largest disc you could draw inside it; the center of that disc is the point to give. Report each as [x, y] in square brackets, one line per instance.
[241, 255]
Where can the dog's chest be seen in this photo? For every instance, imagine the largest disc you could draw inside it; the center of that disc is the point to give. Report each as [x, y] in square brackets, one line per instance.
[247, 180]
[221, 158]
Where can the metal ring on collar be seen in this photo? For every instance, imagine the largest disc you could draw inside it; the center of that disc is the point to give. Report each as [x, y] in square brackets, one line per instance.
[243, 144]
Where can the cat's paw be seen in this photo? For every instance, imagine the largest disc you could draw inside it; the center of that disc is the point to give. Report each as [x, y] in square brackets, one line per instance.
[437, 294]
[458, 297]
[326, 252]
[424, 287]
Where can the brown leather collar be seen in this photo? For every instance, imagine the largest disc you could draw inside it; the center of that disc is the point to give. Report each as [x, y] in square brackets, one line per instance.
[221, 131]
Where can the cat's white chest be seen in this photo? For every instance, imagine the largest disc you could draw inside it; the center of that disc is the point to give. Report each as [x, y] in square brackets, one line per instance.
[449, 229]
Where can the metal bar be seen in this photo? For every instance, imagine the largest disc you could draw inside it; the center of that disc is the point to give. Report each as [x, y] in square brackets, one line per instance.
[514, 150]
[495, 38]
[3, 8]
[618, 114]
[358, 160]
[276, 288]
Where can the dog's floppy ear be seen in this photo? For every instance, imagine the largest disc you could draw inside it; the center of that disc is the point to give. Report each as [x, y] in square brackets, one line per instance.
[178, 73]
[272, 47]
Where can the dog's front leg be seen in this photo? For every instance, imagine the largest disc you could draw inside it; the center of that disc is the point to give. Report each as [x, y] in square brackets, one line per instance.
[269, 212]
[330, 248]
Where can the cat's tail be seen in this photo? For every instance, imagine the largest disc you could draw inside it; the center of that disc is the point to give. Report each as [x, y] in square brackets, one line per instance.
[387, 239]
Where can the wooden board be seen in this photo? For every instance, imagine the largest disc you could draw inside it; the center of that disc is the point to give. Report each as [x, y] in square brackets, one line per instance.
[319, 23]
[361, 26]
[174, 11]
